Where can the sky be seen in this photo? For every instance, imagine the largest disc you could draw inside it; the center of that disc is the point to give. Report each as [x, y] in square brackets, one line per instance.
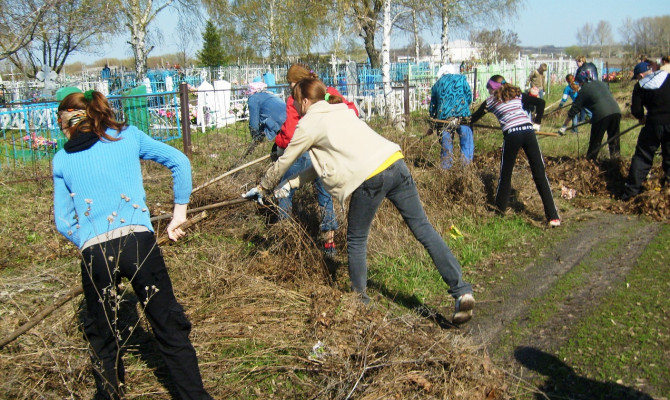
[538, 23]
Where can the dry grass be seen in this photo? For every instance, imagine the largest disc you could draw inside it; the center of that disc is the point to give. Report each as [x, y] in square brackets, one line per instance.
[261, 296]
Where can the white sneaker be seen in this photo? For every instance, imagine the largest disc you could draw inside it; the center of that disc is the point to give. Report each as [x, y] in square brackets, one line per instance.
[463, 309]
[555, 223]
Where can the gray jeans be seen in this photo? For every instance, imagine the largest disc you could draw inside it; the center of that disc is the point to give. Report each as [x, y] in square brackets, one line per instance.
[396, 184]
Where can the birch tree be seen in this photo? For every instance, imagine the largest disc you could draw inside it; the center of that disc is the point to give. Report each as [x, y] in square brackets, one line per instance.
[391, 13]
[459, 13]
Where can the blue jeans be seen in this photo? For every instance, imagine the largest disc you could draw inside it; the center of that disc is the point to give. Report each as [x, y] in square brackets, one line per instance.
[396, 184]
[467, 143]
[328, 219]
[581, 117]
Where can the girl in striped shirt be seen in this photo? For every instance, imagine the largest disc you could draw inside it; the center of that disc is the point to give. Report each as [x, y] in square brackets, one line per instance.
[505, 103]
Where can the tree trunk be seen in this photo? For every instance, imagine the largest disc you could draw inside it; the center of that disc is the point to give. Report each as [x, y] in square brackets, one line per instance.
[415, 26]
[444, 47]
[369, 28]
[386, 60]
[138, 42]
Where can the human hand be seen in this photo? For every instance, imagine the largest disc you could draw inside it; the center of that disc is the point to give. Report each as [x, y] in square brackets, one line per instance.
[178, 217]
[283, 190]
[255, 194]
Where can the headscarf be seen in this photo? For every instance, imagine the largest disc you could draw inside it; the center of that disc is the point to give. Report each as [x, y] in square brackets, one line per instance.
[493, 85]
[72, 117]
[256, 87]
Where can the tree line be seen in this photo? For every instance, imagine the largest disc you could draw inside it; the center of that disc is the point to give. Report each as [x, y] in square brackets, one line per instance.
[647, 35]
[34, 33]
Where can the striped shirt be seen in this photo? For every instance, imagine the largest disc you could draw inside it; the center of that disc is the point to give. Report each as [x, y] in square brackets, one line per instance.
[509, 113]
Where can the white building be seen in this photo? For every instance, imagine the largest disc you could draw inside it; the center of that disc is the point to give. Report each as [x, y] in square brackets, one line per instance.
[459, 50]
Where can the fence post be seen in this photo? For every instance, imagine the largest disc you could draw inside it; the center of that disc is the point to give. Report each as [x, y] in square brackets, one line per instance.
[406, 103]
[185, 118]
[474, 87]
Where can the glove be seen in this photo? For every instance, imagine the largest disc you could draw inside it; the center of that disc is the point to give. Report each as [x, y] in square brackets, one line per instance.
[273, 153]
[256, 135]
[283, 190]
[561, 131]
[255, 194]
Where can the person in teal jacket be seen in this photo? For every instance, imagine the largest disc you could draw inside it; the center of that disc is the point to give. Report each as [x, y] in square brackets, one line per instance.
[450, 100]
[100, 206]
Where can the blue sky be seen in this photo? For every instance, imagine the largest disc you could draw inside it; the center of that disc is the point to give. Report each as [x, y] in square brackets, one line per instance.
[538, 23]
[555, 22]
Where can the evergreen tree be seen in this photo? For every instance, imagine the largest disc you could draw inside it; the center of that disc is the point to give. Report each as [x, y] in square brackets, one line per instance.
[211, 54]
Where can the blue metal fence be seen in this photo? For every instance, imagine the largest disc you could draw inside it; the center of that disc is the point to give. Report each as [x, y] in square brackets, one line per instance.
[30, 131]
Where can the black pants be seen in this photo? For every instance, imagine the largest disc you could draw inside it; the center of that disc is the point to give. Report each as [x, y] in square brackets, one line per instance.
[527, 141]
[138, 258]
[651, 137]
[610, 124]
[533, 104]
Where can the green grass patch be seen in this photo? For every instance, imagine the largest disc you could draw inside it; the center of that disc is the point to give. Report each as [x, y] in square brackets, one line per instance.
[416, 278]
[626, 338]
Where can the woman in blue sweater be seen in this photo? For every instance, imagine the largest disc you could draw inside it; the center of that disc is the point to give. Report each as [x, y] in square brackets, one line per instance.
[100, 206]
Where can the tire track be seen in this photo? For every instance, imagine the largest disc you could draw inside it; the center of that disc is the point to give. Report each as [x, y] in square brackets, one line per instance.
[493, 319]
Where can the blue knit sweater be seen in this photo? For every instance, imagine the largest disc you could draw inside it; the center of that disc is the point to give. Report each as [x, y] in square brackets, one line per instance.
[100, 189]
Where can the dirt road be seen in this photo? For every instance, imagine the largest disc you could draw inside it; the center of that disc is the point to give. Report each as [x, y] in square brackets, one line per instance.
[524, 319]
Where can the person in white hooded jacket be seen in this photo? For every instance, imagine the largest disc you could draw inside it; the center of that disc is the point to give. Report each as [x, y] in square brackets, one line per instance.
[353, 160]
[651, 92]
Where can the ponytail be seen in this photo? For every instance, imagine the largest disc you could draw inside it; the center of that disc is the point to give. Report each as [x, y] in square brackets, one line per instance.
[298, 72]
[506, 91]
[89, 112]
[314, 90]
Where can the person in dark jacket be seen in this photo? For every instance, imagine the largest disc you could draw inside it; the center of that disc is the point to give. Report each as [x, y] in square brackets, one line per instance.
[652, 92]
[596, 96]
[587, 67]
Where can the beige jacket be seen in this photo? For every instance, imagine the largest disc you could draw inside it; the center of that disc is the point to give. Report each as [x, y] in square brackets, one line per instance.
[344, 150]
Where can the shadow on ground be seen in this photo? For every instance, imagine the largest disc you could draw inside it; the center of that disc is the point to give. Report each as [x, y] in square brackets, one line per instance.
[563, 383]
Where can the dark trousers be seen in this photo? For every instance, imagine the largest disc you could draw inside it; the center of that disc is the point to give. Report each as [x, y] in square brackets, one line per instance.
[610, 124]
[533, 104]
[527, 141]
[396, 184]
[137, 257]
[651, 137]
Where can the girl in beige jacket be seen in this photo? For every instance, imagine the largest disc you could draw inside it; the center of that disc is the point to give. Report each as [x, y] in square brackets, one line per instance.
[353, 160]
